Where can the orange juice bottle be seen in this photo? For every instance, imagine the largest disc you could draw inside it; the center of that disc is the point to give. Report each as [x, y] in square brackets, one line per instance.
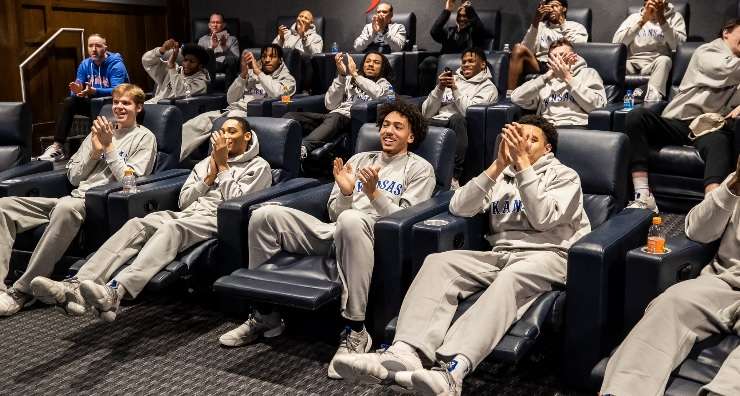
[656, 237]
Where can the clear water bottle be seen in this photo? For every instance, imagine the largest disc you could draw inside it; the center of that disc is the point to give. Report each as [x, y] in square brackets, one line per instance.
[129, 181]
[656, 237]
[629, 100]
[391, 96]
[334, 48]
[507, 48]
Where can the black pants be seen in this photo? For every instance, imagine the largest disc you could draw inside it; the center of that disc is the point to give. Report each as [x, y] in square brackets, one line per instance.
[459, 124]
[229, 65]
[319, 128]
[71, 106]
[648, 129]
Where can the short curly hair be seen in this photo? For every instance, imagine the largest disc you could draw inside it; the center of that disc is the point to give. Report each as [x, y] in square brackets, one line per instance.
[196, 50]
[548, 129]
[417, 122]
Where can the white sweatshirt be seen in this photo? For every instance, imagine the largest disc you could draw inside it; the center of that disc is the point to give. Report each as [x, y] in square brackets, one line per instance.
[443, 103]
[247, 173]
[171, 82]
[539, 208]
[651, 40]
[242, 91]
[346, 91]
[134, 148]
[394, 37]
[312, 43]
[405, 180]
[710, 84]
[538, 38]
[563, 103]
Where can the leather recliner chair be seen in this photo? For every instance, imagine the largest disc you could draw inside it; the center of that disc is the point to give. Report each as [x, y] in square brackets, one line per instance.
[591, 314]
[166, 124]
[311, 282]
[584, 16]
[15, 142]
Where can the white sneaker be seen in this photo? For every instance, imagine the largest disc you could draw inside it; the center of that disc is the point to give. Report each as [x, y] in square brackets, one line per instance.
[53, 153]
[12, 301]
[384, 367]
[436, 382]
[104, 299]
[65, 294]
[644, 202]
[256, 326]
[350, 342]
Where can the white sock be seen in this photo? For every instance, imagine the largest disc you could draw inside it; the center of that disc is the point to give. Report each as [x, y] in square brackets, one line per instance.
[460, 367]
[642, 186]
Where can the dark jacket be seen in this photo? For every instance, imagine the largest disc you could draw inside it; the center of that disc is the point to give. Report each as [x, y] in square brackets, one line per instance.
[454, 42]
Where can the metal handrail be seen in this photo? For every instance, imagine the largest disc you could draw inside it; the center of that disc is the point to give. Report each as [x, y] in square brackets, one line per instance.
[41, 48]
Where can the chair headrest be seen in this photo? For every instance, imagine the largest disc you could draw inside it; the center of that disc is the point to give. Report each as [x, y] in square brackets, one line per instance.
[684, 52]
[200, 27]
[280, 143]
[498, 65]
[584, 16]
[437, 149]
[15, 124]
[408, 20]
[318, 21]
[610, 61]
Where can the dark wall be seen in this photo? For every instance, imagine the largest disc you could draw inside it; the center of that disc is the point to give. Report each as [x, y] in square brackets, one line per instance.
[346, 17]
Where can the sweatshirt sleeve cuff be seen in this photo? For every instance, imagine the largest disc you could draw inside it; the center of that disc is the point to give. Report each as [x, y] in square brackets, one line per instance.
[201, 187]
[111, 156]
[224, 175]
[484, 182]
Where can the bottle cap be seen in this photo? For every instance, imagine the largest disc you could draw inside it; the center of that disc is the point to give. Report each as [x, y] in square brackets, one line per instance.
[128, 172]
[657, 220]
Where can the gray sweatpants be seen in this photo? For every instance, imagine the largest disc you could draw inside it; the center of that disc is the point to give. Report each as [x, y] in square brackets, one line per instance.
[18, 214]
[683, 315]
[512, 281]
[155, 240]
[658, 70]
[198, 129]
[276, 228]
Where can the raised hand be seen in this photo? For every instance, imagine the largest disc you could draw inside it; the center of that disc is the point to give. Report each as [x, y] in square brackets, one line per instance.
[223, 40]
[560, 69]
[539, 15]
[369, 177]
[220, 151]
[214, 40]
[102, 138]
[167, 45]
[503, 156]
[351, 66]
[89, 91]
[255, 65]
[172, 62]
[282, 31]
[376, 24]
[301, 28]
[76, 87]
[339, 60]
[343, 176]
[246, 63]
[449, 5]
[517, 140]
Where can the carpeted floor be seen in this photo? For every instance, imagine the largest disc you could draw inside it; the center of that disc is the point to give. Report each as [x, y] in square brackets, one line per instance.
[165, 345]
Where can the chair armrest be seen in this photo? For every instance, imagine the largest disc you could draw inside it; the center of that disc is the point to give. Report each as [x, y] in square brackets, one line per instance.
[312, 201]
[261, 107]
[393, 256]
[595, 290]
[195, 105]
[151, 197]
[29, 168]
[647, 275]
[52, 184]
[312, 104]
[602, 119]
[619, 118]
[233, 222]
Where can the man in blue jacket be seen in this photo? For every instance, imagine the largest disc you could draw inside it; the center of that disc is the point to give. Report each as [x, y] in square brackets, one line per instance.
[97, 75]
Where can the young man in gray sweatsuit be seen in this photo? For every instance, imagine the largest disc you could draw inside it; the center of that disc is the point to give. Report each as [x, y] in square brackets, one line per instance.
[651, 36]
[188, 79]
[232, 170]
[690, 311]
[548, 26]
[104, 156]
[710, 85]
[381, 34]
[567, 92]
[448, 102]
[264, 79]
[536, 213]
[371, 185]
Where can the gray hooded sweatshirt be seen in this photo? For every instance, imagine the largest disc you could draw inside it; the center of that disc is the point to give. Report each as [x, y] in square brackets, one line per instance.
[538, 39]
[247, 173]
[242, 91]
[651, 40]
[347, 90]
[563, 103]
[312, 43]
[172, 83]
[539, 208]
[405, 180]
[394, 37]
[232, 45]
[443, 103]
[135, 148]
[710, 84]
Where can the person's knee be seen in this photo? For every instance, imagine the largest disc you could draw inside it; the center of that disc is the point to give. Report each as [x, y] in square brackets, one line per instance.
[663, 63]
[675, 299]
[68, 209]
[351, 222]
[519, 51]
[637, 120]
[263, 216]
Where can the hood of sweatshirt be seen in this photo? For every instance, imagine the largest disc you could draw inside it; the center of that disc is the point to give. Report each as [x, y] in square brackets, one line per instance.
[252, 151]
[483, 76]
[540, 166]
[100, 75]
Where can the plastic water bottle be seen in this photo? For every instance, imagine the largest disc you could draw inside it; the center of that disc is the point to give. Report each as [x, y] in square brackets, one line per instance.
[507, 48]
[391, 96]
[334, 48]
[629, 100]
[129, 181]
[656, 237]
